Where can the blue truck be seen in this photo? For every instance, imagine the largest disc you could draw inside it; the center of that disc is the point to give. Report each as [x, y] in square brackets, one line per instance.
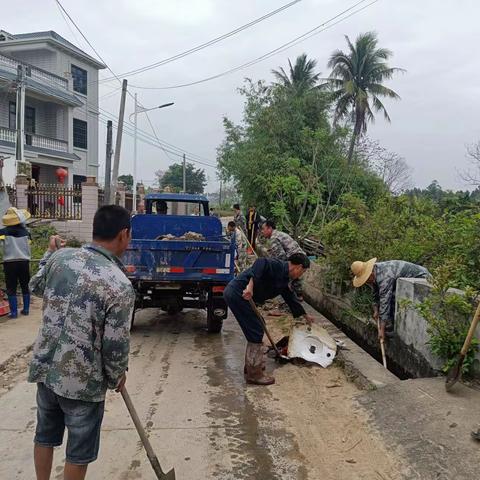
[178, 261]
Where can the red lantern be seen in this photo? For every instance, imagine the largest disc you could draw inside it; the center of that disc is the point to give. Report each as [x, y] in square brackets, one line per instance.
[61, 174]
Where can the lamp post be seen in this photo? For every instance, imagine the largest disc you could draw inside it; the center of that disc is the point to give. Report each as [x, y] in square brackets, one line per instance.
[138, 109]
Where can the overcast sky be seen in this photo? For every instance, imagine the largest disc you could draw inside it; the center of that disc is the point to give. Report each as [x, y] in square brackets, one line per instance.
[435, 41]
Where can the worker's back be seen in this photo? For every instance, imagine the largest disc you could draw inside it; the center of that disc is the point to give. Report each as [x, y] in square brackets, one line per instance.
[80, 289]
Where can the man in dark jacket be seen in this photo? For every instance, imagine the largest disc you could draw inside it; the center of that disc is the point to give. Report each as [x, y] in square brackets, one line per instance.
[266, 279]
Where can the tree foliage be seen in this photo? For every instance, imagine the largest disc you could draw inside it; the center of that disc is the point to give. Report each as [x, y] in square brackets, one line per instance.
[287, 159]
[127, 180]
[196, 179]
[356, 82]
[301, 76]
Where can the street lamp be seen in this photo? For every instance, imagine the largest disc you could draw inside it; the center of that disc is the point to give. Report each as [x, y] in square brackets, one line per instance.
[138, 109]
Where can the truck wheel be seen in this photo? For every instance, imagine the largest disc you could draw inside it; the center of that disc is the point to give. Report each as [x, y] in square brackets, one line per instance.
[214, 322]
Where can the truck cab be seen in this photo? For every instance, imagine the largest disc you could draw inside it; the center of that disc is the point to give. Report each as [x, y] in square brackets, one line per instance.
[179, 258]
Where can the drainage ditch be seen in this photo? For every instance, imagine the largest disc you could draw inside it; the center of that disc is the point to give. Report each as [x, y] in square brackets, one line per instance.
[402, 360]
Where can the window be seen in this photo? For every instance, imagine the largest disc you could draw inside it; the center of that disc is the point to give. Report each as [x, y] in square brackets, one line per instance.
[79, 76]
[29, 118]
[79, 133]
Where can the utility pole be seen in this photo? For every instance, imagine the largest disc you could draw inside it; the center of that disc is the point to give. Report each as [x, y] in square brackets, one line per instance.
[220, 194]
[139, 109]
[184, 174]
[108, 164]
[135, 111]
[118, 143]
[20, 114]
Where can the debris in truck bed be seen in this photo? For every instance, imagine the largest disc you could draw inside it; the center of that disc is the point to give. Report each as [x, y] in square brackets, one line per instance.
[186, 236]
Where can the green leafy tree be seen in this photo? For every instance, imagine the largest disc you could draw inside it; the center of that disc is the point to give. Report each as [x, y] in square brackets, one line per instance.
[196, 180]
[356, 81]
[301, 77]
[127, 180]
[286, 159]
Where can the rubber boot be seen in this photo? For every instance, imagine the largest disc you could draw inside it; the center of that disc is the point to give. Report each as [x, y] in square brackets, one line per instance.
[255, 365]
[26, 304]
[12, 301]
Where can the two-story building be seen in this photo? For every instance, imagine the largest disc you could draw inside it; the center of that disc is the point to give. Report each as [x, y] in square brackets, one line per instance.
[61, 106]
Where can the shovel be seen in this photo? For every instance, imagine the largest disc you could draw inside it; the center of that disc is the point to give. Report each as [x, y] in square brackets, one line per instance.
[455, 373]
[267, 333]
[146, 442]
[382, 346]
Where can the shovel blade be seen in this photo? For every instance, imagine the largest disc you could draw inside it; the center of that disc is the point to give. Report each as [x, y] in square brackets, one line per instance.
[454, 374]
[169, 475]
[159, 472]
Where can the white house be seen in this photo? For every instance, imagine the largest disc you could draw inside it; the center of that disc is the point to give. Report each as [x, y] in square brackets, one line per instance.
[61, 106]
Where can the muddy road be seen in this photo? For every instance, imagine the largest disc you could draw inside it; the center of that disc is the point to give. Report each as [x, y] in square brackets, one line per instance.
[189, 390]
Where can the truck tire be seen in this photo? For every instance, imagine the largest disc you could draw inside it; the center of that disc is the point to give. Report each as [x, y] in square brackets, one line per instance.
[214, 322]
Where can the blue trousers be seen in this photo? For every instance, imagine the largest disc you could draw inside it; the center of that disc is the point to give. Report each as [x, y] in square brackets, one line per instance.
[247, 319]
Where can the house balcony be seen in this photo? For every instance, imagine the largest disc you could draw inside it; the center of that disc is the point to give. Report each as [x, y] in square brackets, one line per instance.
[44, 84]
[52, 147]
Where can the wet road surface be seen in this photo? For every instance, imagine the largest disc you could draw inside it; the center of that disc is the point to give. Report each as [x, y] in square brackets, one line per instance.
[189, 391]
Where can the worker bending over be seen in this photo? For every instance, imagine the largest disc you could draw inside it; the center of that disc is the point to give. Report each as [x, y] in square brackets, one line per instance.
[382, 277]
[264, 280]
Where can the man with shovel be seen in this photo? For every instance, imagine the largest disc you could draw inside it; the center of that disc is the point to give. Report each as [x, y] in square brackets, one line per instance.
[382, 277]
[83, 343]
[265, 279]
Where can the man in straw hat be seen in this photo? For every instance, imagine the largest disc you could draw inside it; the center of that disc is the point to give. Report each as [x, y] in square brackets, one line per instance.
[16, 258]
[382, 277]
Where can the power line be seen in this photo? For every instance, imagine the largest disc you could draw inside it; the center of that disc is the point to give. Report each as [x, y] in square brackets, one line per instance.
[116, 76]
[203, 45]
[314, 31]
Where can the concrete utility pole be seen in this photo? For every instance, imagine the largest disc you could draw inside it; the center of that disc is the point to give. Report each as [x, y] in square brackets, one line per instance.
[108, 164]
[134, 203]
[20, 114]
[184, 174]
[118, 144]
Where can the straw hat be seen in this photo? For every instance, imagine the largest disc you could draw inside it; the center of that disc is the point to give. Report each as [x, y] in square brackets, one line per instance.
[362, 270]
[15, 216]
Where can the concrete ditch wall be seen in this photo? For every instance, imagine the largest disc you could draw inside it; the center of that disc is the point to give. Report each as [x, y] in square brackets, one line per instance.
[408, 351]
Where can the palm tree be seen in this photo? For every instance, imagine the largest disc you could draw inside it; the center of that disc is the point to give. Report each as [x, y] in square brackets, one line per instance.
[356, 83]
[301, 77]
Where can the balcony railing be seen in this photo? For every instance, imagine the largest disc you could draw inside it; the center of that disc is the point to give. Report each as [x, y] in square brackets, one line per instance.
[46, 142]
[39, 141]
[38, 74]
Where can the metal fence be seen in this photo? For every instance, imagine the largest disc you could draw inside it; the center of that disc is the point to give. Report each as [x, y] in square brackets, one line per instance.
[55, 202]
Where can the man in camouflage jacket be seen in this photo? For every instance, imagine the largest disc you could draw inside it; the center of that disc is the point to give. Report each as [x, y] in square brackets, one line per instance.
[382, 277]
[282, 246]
[83, 343]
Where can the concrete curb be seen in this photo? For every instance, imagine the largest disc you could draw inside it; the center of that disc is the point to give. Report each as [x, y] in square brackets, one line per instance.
[361, 368]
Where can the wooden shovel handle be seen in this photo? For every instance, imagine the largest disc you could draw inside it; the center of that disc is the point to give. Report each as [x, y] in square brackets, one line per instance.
[138, 424]
[471, 331]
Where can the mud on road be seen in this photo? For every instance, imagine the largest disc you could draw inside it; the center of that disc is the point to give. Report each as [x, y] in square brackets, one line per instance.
[189, 390]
